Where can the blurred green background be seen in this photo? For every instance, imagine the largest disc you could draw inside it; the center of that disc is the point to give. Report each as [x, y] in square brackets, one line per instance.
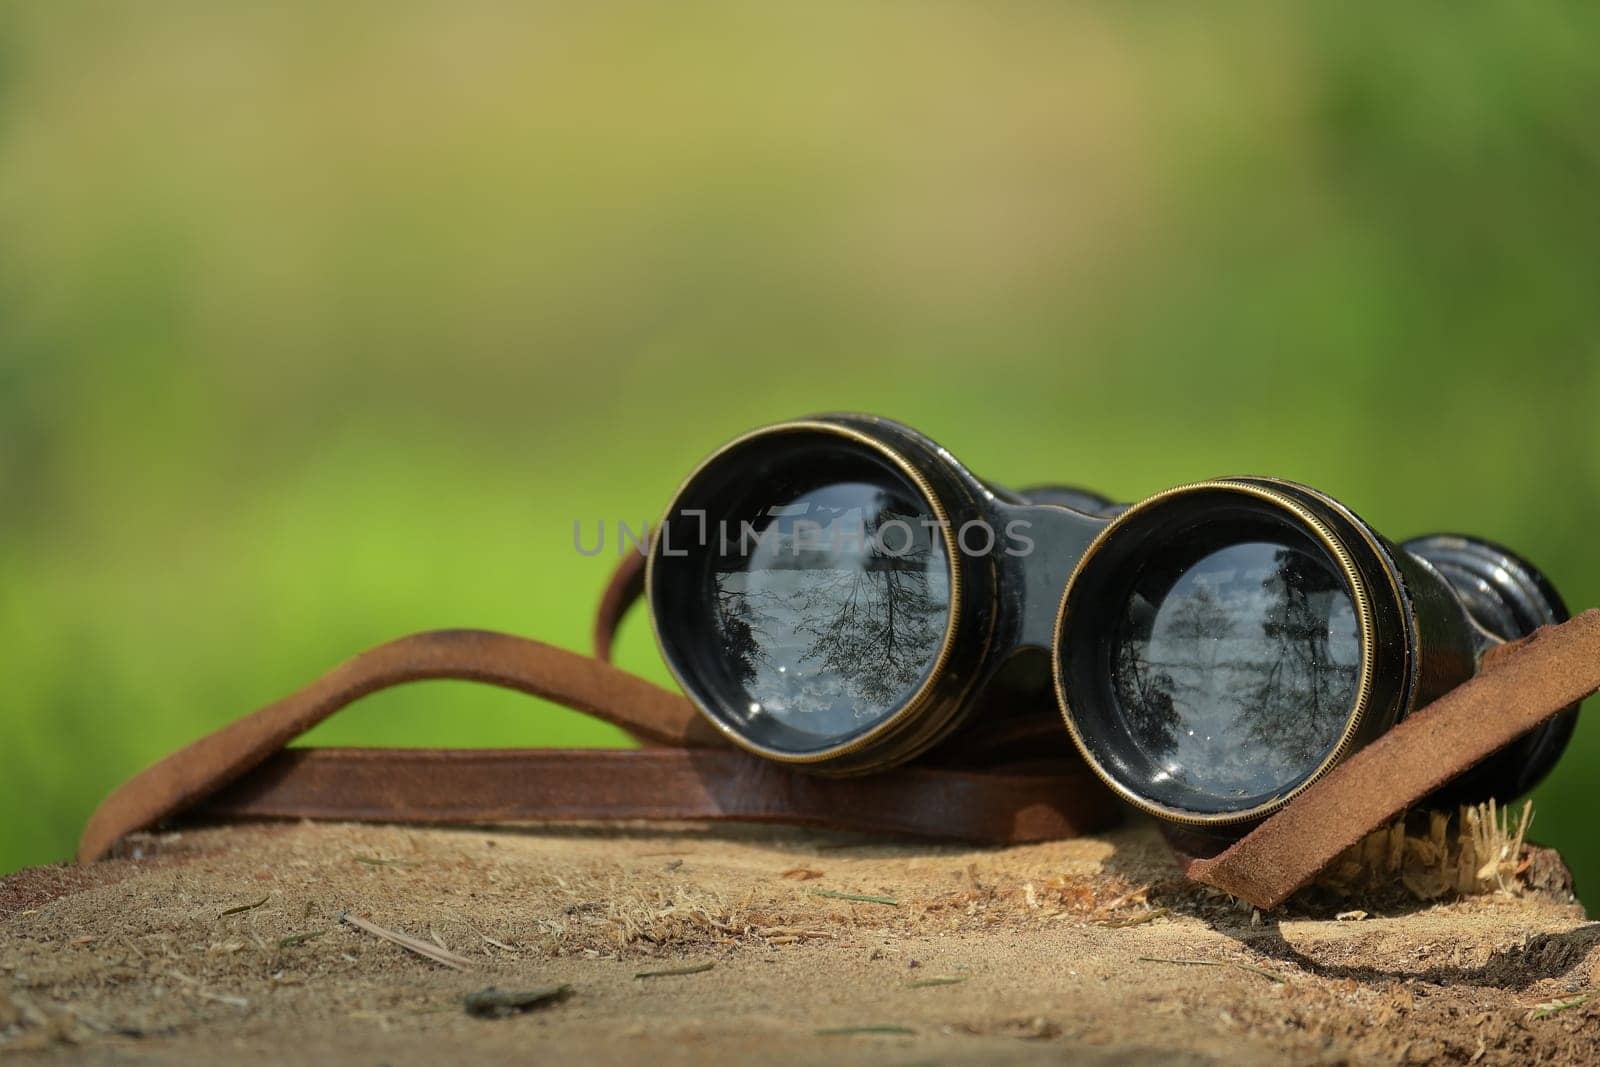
[323, 324]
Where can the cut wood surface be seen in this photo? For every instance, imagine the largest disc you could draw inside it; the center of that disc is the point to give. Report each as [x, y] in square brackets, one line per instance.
[687, 944]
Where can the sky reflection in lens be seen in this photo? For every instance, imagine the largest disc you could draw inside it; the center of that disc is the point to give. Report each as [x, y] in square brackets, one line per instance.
[1235, 672]
[831, 604]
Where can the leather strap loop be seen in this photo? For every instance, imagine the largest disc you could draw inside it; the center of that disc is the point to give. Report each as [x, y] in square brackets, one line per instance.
[182, 779]
[243, 770]
[625, 587]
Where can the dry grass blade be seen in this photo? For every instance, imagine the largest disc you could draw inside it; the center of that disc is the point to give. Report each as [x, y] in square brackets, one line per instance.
[1271, 976]
[846, 1031]
[1478, 851]
[296, 940]
[792, 933]
[924, 983]
[241, 908]
[1556, 1007]
[1497, 847]
[673, 972]
[421, 948]
[834, 894]
[222, 998]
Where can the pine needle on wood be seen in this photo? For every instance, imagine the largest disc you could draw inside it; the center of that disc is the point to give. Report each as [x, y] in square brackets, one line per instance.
[412, 944]
[241, 908]
[296, 940]
[834, 894]
[673, 972]
[847, 1031]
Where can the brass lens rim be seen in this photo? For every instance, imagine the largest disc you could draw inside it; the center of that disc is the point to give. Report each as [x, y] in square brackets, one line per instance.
[1361, 600]
[924, 693]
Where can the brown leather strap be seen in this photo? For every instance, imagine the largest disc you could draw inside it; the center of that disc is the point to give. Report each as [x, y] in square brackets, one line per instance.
[1520, 686]
[625, 587]
[180, 780]
[500, 785]
[243, 770]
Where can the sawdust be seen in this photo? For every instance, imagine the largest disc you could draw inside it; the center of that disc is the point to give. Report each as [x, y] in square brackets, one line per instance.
[1094, 949]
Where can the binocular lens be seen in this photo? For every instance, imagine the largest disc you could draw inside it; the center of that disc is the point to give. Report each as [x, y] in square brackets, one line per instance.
[1211, 656]
[819, 573]
[1234, 672]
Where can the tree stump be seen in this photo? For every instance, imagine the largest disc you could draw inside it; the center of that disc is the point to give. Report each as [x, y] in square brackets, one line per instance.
[369, 944]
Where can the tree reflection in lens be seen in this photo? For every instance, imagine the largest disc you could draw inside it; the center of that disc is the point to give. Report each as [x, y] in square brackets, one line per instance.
[1303, 697]
[1236, 672]
[829, 617]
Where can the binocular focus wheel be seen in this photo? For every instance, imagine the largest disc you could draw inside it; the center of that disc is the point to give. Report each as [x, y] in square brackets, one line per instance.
[1504, 593]
[1510, 598]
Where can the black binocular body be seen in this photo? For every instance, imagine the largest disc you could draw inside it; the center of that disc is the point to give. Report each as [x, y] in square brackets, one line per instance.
[838, 592]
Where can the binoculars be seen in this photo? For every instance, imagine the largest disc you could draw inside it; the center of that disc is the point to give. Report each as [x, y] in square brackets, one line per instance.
[838, 592]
